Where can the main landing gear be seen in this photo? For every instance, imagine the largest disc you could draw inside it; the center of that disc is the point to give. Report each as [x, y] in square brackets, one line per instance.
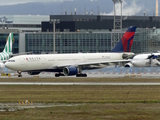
[78, 75]
[81, 75]
[59, 74]
[19, 73]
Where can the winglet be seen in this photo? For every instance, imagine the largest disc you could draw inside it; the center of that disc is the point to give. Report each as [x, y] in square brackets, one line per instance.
[125, 43]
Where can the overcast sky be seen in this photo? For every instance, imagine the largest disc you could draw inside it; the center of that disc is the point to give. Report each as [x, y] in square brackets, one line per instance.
[130, 7]
[13, 2]
[10, 2]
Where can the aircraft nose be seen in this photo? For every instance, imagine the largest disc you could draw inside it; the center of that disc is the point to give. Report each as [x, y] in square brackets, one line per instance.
[11, 64]
[6, 64]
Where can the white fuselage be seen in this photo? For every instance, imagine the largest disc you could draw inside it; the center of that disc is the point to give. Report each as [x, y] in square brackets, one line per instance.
[142, 61]
[53, 61]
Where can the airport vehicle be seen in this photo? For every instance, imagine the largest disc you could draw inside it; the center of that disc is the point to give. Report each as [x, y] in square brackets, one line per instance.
[145, 60]
[7, 52]
[73, 64]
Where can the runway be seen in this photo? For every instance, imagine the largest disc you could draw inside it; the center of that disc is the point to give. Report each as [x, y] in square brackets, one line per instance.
[108, 72]
[83, 83]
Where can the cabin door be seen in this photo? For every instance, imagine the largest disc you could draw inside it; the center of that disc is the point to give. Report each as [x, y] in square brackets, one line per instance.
[23, 61]
[44, 61]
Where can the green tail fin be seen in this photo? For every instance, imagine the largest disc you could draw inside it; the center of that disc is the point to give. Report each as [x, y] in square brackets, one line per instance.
[8, 46]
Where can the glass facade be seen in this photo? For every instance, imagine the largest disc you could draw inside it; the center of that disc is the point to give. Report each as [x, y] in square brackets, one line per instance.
[145, 40]
[3, 38]
[69, 42]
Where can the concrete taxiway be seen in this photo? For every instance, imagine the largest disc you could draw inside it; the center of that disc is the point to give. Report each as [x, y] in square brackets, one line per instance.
[81, 83]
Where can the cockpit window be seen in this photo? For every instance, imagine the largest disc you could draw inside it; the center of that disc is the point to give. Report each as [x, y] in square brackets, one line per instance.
[11, 60]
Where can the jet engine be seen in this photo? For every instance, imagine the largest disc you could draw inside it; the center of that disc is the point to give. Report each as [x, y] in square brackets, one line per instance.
[128, 64]
[128, 55]
[33, 73]
[70, 71]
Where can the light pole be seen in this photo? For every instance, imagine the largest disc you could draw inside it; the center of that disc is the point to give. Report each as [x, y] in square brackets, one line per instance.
[54, 21]
[117, 24]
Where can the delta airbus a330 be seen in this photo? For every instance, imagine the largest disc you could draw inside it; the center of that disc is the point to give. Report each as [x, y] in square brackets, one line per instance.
[73, 64]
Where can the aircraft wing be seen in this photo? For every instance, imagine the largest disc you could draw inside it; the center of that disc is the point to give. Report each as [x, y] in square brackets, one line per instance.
[93, 64]
[157, 63]
[104, 62]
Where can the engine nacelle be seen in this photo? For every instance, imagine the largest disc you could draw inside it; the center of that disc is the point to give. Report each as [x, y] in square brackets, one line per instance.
[70, 71]
[128, 64]
[33, 73]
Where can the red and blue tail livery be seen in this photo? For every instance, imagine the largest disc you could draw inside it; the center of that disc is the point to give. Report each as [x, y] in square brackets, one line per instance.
[125, 43]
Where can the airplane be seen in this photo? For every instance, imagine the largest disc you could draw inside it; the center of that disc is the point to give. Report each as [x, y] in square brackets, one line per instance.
[7, 52]
[145, 60]
[73, 64]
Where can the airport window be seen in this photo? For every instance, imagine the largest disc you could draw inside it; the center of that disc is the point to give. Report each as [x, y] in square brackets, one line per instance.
[81, 43]
[65, 42]
[102, 42]
[84, 42]
[73, 43]
[58, 43]
[87, 43]
[76, 42]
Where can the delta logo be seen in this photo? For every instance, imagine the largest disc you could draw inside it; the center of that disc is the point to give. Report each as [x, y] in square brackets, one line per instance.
[33, 59]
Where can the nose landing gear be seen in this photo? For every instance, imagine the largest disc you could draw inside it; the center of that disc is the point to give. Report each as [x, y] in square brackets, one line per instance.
[19, 73]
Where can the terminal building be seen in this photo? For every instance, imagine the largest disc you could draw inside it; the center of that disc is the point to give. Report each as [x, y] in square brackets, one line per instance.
[19, 24]
[76, 33]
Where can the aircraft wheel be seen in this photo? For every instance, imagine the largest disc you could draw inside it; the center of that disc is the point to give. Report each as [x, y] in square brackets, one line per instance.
[78, 75]
[84, 75]
[61, 74]
[57, 75]
[19, 75]
[81, 75]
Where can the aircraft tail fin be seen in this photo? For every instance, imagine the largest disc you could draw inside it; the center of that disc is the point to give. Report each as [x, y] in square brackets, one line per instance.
[8, 46]
[125, 43]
